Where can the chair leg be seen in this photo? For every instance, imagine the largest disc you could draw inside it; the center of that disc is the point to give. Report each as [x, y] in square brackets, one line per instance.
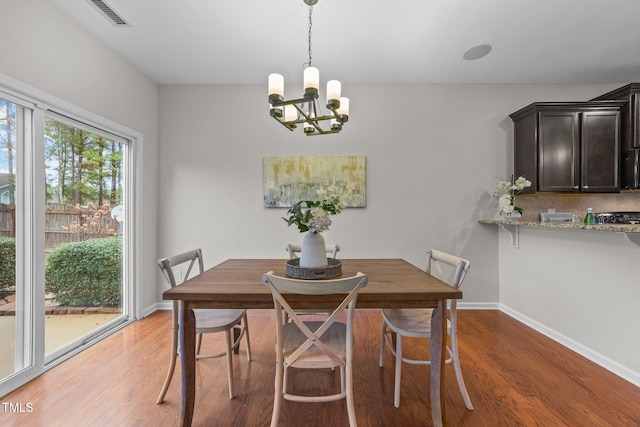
[396, 391]
[172, 365]
[277, 398]
[245, 323]
[382, 340]
[198, 343]
[229, 362]
[456, 367]
[349, 392]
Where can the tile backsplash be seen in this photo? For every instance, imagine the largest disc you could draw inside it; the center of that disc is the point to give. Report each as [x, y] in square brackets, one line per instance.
[577, 204]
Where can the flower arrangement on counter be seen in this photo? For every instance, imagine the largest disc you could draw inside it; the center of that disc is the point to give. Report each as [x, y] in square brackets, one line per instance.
[506, 192]
[316, 215]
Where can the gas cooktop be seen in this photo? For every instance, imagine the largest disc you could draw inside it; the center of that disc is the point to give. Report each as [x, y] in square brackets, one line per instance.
[618, 217]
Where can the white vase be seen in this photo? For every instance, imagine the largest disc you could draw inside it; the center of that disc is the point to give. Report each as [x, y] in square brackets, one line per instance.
[314, 252]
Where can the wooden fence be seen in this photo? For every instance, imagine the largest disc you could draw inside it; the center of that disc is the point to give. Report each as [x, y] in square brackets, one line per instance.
[7, 220]
[63, 224]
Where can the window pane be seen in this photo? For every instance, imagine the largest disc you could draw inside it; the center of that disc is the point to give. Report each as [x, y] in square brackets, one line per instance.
[8, 154]
[83, 239]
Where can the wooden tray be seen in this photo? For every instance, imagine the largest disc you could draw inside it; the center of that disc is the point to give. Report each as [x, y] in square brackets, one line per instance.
[294, 270]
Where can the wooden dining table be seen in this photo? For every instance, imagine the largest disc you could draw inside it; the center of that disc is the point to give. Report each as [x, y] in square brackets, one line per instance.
[237, 283]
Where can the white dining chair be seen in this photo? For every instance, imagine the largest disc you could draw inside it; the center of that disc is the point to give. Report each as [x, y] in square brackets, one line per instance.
[207, 320]
[313, 344]
[415, 323]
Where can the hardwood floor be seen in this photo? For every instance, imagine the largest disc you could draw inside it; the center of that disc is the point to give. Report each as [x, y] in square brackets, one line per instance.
[514, 375]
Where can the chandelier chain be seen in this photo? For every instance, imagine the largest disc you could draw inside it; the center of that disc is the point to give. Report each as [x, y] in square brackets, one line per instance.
[310, 25]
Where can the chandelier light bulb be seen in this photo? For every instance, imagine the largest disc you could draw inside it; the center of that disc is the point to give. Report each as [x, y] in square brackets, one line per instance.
[333, 93]
[311, 78]
[276, 87]
[344, 106]
[333, 89]
[290, 113]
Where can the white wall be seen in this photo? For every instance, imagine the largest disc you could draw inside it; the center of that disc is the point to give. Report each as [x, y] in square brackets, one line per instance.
[430, 166]
[47, 50]
[581, 288]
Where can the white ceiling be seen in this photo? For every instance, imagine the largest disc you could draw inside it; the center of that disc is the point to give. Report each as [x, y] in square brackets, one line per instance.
[369, 42]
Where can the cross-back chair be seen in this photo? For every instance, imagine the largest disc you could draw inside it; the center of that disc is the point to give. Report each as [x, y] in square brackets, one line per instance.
[415, 323]
[207, 320]
[313, 344]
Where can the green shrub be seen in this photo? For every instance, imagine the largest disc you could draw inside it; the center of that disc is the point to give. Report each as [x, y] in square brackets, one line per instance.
[7, 262]
[86, 274]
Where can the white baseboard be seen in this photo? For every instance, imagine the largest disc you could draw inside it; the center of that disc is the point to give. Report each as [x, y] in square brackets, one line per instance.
[478, 306]
[599, 359]
[165, 305]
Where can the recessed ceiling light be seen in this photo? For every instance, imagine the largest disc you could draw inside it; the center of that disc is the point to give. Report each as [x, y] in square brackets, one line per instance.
[477, 52]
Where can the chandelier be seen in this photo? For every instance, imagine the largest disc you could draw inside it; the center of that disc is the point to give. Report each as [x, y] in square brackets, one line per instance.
[306, 111]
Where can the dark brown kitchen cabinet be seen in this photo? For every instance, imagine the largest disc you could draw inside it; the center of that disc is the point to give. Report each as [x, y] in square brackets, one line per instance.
[629, 114]
[568, 147]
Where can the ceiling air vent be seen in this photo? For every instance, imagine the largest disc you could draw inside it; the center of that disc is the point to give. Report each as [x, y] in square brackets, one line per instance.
[109, 13]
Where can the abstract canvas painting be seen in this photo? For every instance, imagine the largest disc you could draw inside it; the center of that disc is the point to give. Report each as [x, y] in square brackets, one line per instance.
[288, 180]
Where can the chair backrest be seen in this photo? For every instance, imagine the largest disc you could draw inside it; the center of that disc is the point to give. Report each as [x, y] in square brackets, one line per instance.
[280, 286]
[437, 259]
[294, 250]
[167, 265]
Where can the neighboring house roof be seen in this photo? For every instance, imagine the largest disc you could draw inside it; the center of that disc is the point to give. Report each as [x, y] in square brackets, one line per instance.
[4, 180]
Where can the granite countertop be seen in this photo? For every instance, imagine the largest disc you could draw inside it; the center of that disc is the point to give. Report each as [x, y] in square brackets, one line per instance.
[624, 228]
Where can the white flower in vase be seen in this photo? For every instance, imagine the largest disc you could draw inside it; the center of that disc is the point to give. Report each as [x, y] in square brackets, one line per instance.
[314, 220]
[506, 192]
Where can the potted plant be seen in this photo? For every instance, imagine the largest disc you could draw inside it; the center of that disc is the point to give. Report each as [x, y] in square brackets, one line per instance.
[313, 217]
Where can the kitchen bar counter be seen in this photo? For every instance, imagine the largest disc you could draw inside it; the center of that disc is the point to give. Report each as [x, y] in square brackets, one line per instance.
[620, 228]
[630, 231]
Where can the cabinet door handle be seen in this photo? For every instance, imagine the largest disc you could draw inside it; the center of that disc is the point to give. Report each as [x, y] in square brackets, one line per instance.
[585, 187]
[575, 187]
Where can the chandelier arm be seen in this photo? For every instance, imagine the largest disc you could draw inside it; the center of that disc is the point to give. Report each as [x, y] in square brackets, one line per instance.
[292, 101]
[301, 112]
[288, 125]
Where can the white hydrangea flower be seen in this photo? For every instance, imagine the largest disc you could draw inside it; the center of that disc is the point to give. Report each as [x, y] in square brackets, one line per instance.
[320, 220]
[316, 215]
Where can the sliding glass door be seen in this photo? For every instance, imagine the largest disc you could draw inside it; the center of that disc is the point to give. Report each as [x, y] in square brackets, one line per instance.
[83, 234]
[12, 358]
[66, 236]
